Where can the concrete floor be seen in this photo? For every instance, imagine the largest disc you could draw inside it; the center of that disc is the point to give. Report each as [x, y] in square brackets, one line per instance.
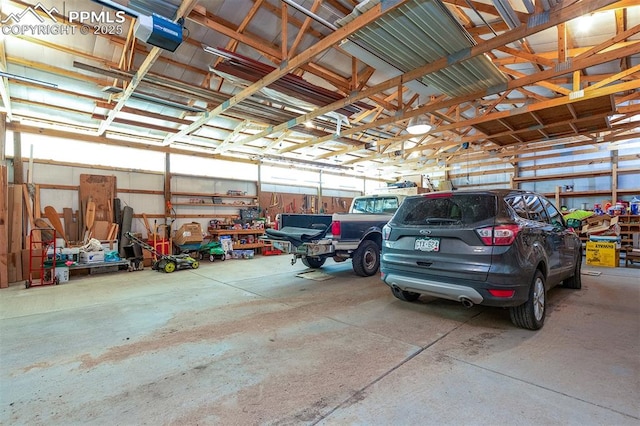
[247, 342]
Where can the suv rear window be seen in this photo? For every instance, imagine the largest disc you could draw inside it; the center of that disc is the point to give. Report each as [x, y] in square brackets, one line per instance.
[462, 209]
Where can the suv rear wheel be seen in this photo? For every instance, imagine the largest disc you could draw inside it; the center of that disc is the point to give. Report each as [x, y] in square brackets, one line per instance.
[575, 281]
[531, 313]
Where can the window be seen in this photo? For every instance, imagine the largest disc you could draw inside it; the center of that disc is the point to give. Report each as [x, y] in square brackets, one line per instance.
[536, 208]
[555, 216]
[457, 209]
[375, 205]
[518, 205]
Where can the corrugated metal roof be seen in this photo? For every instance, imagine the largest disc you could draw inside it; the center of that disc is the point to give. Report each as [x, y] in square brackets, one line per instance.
[423, 31]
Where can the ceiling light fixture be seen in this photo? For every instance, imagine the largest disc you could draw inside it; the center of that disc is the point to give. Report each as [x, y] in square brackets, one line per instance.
[419, 125]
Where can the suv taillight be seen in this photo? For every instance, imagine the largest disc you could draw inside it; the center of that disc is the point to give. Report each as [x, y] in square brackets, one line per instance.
[386, 231]
[502, 235]
[336, 229]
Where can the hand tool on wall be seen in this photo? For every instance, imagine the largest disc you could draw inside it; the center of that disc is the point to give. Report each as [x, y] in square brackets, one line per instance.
[274, 200]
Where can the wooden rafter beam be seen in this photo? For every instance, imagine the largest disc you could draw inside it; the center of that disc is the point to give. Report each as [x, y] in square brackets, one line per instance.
[552, 55]
[530, 57]
[4, 84]
[554, 18]
[338, 35]
[577, 63]
[303, 29]
[542, 83]
[485, 8]
[184, 9]
[233, 43]
[202, 17]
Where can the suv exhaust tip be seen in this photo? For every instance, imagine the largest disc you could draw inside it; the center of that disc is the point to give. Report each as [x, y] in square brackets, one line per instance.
[467, 303]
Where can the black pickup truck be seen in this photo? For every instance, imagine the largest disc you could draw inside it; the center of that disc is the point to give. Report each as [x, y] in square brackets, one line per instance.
[356, 235]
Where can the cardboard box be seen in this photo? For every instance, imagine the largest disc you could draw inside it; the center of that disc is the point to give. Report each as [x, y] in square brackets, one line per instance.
[188, 233]
[445, 185]
[616, 239]
[602, 254]
[109, 245]
[91, 256]
[601, 225]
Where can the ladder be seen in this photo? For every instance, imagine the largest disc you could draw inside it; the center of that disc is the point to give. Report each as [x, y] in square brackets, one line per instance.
[430, 184]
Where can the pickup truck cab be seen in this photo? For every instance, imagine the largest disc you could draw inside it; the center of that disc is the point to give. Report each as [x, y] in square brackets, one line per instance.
[356, 235]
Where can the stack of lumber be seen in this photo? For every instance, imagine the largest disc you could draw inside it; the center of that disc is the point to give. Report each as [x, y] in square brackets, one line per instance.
[21, 218]
[97, 193]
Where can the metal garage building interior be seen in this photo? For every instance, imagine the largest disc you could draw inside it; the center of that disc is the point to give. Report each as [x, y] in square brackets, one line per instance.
[310, 98]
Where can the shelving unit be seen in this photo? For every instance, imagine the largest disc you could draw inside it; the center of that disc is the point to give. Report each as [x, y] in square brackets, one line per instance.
[629, 225]
[202, 199]
[219, 210]
[559, 195]
[236, 236]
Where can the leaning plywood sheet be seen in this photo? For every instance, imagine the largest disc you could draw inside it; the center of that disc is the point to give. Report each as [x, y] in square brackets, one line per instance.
[14, 262]
[4, 279]
[70, 224]
[102, 190]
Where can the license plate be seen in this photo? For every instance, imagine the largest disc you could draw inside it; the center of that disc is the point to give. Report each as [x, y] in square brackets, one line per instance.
[317, 249]
[427, 244]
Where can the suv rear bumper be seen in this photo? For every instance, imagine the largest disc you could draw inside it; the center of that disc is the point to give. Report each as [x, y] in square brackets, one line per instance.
[476, 292]
[434, 288]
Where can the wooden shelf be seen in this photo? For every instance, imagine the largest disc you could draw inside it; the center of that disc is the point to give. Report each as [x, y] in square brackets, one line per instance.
[578, 194]
[589, 174]
[209, 195]
[248, 246]
[235, 233]
[215, 205]
[629, 225]
[592, 193]
[214, 231]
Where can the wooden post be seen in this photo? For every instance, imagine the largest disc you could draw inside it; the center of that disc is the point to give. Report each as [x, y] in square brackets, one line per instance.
[4, 200]
[167, 194]
[4, 221]
[18, 168]
[614, 177]
[259, 189]
[3, 137]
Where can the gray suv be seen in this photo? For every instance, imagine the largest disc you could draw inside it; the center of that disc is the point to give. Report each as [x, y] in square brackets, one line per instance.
[502, 248]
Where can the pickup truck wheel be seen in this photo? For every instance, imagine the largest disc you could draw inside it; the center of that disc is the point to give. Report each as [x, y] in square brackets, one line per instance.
[313, 262]
[530, 314]
[366, 259]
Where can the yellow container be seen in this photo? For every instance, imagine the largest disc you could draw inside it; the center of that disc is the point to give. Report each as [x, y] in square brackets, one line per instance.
[602, 254]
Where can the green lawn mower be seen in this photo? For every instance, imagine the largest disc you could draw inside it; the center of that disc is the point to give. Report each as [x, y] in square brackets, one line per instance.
[167, 262]
[212, 249]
